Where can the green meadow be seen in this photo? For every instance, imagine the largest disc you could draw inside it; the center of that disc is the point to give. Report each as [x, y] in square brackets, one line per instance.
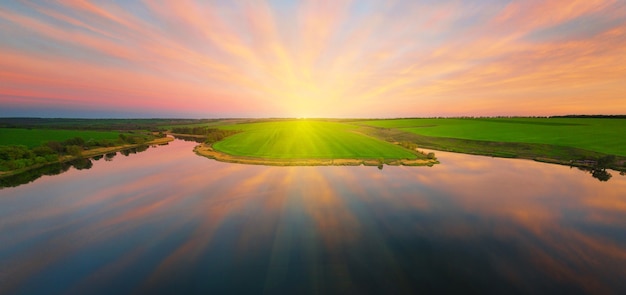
[606, 136]
[561, 140]
[36, 137]
[302, 139]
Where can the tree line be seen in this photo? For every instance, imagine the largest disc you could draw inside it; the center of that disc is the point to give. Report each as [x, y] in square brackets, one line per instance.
[153, 125]
[14, 157]
[593, 116]
[212, 135]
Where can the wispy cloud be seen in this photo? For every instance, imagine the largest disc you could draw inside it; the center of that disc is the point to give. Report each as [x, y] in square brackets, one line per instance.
[315, 58]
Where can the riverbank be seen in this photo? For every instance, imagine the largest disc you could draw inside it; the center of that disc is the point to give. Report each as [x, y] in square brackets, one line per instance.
[208, 151]
[87, 154]
[547, 153]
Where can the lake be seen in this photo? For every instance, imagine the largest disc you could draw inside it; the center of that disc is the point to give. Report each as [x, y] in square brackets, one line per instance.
[168, 221]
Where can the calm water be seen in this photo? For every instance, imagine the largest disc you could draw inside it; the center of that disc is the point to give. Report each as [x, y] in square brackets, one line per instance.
[168, 221]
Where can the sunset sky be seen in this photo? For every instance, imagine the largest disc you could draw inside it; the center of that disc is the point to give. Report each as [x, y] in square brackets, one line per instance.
[285, 58]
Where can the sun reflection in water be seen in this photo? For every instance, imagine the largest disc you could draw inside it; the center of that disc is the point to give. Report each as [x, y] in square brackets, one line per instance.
[167, 218]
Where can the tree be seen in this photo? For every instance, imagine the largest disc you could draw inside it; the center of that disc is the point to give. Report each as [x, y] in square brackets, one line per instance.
[74, 150]
[14, 152]
[43, 151]
[604, 162]
[74, 141]
[56, 146]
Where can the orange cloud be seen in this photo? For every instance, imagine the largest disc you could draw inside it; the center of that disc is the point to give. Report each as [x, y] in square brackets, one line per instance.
[318, 58]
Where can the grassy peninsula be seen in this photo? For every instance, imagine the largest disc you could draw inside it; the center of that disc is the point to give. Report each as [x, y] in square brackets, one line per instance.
[302, 139]
[308, 142]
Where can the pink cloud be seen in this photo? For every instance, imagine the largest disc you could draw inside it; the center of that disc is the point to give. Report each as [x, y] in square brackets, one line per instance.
[247, 58]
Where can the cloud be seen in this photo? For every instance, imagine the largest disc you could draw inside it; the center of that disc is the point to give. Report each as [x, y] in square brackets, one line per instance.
[316, 58]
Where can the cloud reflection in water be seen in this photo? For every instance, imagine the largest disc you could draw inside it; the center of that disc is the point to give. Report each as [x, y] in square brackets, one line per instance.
[167, 220]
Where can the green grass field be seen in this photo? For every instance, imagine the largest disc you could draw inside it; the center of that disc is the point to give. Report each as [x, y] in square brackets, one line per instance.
[300, 139]
[601, 135]
[36, 137]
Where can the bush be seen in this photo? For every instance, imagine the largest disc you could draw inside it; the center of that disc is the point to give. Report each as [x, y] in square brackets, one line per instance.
[43, 151]
[74, 141]
[132, 139]
[40, 160]
[19, 164]
[74, 150]
[52, 158]
[191, 130]
[56, 146]
[17, 157]
[215, 135]
[409, 145]
[605, 161]
[14, 152]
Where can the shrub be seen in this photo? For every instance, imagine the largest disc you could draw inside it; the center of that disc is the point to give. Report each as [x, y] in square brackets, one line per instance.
[215, 135]
[74, 150]
[409, 145]
[43, 150]
[56, 146]
[52, 158]
[40, 160]
[74, 141]
[14, 152]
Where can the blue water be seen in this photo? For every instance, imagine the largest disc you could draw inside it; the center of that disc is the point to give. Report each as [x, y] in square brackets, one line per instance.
[168, 221]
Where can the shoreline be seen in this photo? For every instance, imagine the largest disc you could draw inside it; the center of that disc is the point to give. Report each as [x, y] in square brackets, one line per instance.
[88, 154]
[545, 153]
[208, 152]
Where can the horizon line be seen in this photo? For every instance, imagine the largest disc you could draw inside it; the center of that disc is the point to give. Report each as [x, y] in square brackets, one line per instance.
[332, 118]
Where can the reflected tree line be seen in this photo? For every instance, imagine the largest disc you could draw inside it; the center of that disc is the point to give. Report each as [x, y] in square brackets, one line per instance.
[14, 157]
[58, 168]
[598, 168]
[208, 135]
[190, 138]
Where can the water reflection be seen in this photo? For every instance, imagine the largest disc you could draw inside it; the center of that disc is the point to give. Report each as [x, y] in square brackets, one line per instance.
[598, 173]
[58, 168]
[109, 156]
[167, 221]
[192, 138]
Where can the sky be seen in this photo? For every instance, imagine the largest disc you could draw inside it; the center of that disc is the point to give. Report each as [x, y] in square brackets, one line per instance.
[318, 58]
